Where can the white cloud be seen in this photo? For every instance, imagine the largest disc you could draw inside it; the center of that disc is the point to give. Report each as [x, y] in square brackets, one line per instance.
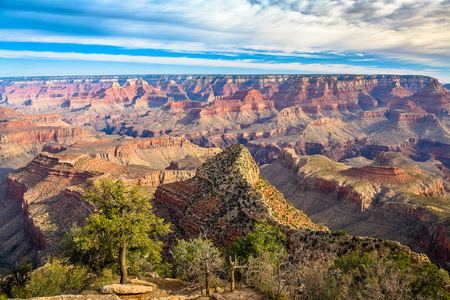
[218, 63]
[414, 30]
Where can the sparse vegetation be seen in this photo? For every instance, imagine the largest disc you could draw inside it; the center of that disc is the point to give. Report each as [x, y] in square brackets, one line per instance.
[18, 276]
[197, 259]
[55, 278]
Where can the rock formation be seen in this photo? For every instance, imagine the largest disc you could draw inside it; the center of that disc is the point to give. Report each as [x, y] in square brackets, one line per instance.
[376, 113]
[224, 199]
[228, 195]
[343, 117]
[22, 137]
[390, 198]
[48, 191]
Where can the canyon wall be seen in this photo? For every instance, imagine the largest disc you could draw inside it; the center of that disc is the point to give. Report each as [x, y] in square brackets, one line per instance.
[390, 199]
[46, 196]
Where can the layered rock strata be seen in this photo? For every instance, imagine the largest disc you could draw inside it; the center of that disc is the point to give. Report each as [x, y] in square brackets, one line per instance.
[228, 195]
[48, 192]
[224, 199]
[391, 198]
[337, 116]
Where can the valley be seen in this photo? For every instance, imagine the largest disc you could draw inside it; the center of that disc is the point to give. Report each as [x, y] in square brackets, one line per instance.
[368, 154]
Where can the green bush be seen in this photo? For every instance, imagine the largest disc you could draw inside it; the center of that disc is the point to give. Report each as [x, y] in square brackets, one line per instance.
[373, 276]
[55, 278]
[338, 233]
[191, 257]
[429, 282]
[263, 238]
[104, 278]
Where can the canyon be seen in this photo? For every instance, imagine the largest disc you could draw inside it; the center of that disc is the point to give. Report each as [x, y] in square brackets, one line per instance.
[390, 197]
[369, 154]
[45, 199]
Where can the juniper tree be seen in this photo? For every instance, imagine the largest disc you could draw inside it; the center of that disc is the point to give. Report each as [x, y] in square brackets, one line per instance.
[124, 223]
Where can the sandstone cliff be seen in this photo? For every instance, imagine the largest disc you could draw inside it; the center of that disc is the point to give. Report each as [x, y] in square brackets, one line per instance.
[369, 113]
[22, 137]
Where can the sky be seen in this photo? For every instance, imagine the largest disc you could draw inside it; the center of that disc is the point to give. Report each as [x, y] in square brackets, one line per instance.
[112, 37]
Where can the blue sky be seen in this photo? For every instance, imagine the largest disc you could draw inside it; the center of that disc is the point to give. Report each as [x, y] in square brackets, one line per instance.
[100, 37]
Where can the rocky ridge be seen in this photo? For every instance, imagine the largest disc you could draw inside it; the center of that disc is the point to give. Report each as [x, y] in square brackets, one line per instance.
[224, 199]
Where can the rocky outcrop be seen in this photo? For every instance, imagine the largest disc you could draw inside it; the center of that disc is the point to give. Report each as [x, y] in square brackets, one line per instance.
[224, 199]
[433, 98]
[384, 175]
[228, 194]
[6, 113]
[125, 289]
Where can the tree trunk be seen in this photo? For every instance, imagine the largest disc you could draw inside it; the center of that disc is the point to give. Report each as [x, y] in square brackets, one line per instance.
[232, 278]
[207, 277]
[123, 263]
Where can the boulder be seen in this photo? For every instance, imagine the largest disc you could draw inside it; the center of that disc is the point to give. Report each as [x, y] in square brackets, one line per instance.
[125, 289]
[217, 296]
[141, 282]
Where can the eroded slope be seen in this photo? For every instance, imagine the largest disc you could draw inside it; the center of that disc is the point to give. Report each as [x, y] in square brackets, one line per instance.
[390, 198]
[224, 199]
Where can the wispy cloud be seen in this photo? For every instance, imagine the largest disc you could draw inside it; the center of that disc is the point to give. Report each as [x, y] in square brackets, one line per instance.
[187, 61]
[421, 27]
[408, 31]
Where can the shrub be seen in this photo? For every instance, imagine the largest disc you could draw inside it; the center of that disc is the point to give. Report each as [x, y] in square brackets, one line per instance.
[190, 258]
[266, 272]
[104, 278]
[263, 238]
[55, 278]
[338, 233]
[429, 282]
[18, 276]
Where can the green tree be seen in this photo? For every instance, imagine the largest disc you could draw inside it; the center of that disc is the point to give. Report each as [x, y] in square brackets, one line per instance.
[265, 254]
[125, 223]
[430, 282]
[263, 238]
[97, 257]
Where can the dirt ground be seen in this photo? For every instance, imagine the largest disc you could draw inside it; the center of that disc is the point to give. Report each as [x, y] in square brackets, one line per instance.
[169, 287]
